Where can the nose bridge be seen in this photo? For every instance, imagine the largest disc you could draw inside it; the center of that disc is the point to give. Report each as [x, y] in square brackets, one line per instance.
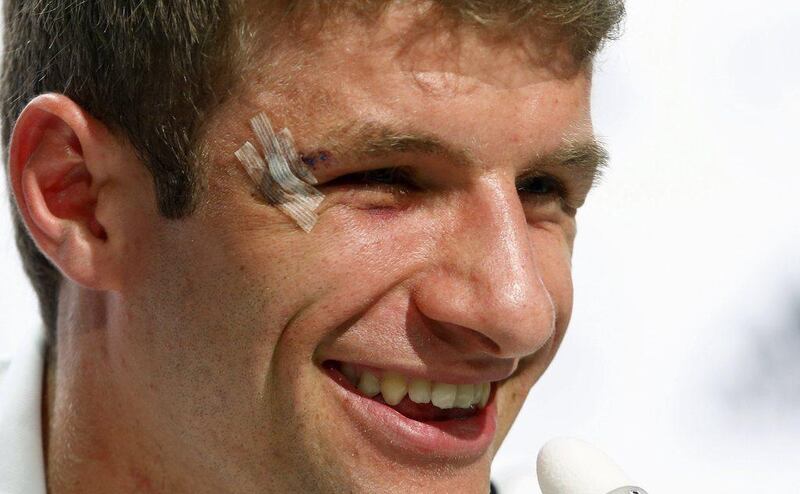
[505, 270]
[489, 281]
[504, 267]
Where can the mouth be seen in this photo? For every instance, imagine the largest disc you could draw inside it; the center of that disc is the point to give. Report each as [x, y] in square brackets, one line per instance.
[419, 418]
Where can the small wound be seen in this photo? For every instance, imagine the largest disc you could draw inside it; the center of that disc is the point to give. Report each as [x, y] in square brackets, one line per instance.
[317, 159]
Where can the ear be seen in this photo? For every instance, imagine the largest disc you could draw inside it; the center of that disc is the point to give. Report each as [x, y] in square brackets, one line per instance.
[59, 161]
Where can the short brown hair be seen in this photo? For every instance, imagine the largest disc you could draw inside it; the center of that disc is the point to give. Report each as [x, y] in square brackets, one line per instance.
[151, 70]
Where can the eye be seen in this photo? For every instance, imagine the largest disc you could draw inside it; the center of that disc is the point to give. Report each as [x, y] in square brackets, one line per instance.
[394, 178]
[541, 186]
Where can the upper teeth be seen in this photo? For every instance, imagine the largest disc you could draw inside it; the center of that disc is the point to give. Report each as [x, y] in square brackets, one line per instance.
[394, 387]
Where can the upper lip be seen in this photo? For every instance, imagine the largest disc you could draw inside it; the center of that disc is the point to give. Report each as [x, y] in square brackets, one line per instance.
[452, 375]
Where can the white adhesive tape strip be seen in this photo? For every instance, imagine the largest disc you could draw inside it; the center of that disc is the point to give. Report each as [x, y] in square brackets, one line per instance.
[278, 159]
[295, 162]
[289, 204]
[283, 178]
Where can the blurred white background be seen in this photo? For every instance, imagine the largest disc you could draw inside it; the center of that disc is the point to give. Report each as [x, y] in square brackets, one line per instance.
[683, 357]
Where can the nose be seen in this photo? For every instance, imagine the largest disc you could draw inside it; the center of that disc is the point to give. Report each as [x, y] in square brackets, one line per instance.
[485, 294]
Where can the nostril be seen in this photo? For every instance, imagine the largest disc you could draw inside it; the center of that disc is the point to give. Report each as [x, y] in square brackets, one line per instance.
[465, 339]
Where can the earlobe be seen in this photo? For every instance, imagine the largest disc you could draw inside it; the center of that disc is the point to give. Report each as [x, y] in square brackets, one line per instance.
[56, 184]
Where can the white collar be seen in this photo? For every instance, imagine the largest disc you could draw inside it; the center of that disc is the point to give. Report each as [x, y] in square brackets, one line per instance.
[21, 447]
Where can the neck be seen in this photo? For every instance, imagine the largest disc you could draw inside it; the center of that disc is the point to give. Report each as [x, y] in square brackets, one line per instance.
[85, 421]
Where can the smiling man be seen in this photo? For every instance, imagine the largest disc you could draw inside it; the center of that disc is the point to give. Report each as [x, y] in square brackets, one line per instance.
[197, 340]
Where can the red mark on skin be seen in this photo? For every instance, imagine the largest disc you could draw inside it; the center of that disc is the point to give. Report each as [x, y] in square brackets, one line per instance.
[141, 482]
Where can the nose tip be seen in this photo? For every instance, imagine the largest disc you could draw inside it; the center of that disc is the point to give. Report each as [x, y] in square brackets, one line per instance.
[520, 315]
[488, 292]
[510, 321]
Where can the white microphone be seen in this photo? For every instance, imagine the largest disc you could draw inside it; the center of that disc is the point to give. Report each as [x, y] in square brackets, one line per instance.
[572, 466]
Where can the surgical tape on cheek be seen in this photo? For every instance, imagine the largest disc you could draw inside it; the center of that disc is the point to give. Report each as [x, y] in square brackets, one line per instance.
[282, 177]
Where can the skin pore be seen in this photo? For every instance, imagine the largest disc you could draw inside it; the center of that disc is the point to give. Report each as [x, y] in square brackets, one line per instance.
[454, 168]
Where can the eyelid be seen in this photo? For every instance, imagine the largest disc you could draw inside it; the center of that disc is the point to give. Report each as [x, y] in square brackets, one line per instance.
[394, 176]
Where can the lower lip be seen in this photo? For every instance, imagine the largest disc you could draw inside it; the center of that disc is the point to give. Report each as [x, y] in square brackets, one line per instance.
[465, 439]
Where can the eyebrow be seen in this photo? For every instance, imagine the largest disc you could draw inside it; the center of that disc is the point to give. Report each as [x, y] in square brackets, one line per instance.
[586, 157]
[372, 139]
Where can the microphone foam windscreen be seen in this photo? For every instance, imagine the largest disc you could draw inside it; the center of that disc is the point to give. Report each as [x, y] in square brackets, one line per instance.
[572, 466]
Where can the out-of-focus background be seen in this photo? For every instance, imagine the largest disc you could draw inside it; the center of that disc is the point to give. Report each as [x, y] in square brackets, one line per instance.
[683, 357]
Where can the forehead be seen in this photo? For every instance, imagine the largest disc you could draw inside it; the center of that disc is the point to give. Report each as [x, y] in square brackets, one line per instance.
[457, 83]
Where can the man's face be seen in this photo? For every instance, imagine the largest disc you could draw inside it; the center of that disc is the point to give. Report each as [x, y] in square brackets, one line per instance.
[452, 268]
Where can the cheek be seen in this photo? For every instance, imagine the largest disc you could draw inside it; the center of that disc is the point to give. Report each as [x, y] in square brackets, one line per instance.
[553, 250]
[515, 390]
[291, 288]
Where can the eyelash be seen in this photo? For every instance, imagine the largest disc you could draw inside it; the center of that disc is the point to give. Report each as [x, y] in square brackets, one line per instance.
[398, 179]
